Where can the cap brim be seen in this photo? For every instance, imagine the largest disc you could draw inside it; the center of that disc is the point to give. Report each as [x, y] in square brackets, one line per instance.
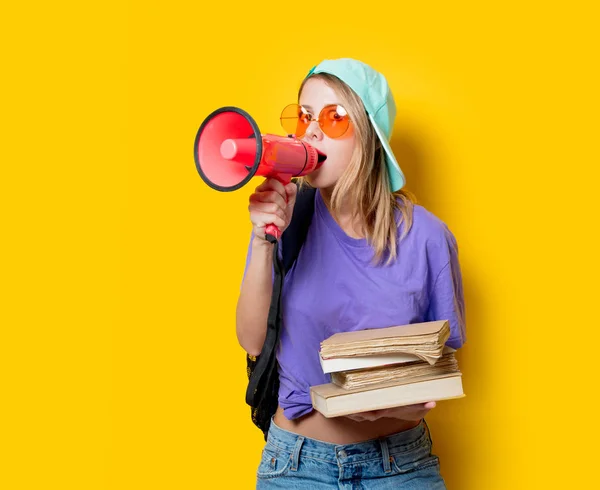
[395, 174]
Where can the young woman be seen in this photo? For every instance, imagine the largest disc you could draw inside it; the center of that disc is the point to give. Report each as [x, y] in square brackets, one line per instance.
[372, 259]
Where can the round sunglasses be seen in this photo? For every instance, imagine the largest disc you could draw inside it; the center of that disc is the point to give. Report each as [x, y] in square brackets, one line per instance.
[333, 120]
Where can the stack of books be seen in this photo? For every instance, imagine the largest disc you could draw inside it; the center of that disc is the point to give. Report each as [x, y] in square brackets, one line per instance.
[388, 367]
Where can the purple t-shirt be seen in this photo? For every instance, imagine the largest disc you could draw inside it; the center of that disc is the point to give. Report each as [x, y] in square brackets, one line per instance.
[333, 287]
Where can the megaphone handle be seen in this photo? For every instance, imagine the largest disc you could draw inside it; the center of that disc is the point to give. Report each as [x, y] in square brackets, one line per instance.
[272, 232]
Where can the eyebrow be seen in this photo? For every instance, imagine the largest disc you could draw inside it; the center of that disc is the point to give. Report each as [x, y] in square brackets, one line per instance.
[311, 109]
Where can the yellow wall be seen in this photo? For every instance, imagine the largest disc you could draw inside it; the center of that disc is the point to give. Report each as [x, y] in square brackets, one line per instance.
[120, 366]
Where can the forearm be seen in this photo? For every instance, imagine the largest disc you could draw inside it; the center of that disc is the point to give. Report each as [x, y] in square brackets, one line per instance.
[255, 298]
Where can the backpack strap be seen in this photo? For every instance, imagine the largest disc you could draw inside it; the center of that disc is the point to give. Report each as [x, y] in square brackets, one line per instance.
[263, 382]
[295, 234]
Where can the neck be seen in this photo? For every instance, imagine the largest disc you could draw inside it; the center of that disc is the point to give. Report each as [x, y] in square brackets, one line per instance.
[345, 216]
[344, 211]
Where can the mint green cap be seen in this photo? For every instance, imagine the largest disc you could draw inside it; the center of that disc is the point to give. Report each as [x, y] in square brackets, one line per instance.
[374, 91]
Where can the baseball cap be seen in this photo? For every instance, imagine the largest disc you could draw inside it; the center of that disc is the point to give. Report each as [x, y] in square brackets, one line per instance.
[374, 91]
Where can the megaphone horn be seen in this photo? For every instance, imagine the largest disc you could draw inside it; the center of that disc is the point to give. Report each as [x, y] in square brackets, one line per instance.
[229, 150]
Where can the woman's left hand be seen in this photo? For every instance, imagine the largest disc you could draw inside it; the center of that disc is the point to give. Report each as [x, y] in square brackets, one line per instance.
[408, 412]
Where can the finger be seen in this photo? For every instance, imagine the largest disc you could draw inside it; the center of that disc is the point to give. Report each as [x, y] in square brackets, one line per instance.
[291, 199]
[272, 184]
[386, 412]
[406, 412]
[266, 208]
[268, 196]
[370, 415]
[263, 219]
[419, 414]
[355, 417]
[414, 408]
[291, 190]
[424, 406]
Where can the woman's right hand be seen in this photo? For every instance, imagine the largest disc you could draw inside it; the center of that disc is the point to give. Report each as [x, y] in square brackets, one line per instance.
[272, 203]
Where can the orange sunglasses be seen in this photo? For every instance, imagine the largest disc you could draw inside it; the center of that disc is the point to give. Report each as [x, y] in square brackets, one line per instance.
[333, 120]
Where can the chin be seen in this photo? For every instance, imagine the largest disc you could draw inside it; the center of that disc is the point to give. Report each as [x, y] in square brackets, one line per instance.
[316, 183]
[319, 180]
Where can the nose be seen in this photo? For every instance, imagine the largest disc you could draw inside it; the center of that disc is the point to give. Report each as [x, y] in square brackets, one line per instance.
[313, 131]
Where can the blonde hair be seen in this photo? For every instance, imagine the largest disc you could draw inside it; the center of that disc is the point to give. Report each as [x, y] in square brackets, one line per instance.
[366, 182]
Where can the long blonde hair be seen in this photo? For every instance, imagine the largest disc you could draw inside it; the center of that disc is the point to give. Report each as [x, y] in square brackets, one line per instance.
[366, 182]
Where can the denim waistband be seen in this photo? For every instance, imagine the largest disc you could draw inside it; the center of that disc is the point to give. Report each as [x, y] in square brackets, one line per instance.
[361, 451]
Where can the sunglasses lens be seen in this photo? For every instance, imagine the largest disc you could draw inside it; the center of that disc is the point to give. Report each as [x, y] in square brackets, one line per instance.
[334, 121]
[293, 120]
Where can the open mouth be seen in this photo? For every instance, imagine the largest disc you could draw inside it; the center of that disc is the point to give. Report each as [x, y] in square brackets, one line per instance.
[321, 156]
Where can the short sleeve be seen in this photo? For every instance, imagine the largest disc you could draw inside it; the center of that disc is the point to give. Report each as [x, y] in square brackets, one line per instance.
[446, 300]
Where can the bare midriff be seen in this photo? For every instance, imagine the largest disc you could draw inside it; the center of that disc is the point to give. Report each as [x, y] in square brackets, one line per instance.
[341, 430]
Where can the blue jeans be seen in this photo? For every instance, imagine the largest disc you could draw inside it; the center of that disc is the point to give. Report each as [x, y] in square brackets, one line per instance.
[402, 460]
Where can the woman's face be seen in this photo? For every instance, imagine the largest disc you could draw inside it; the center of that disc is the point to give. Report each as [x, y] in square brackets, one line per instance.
[315, 95]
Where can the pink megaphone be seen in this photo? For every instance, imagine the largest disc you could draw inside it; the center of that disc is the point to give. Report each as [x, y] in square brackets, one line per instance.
[229, 150]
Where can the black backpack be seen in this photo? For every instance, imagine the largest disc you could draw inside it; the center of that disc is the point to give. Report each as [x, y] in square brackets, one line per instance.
[263, 377]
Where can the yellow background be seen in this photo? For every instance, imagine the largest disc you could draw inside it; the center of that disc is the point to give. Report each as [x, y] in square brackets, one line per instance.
[120, 269]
